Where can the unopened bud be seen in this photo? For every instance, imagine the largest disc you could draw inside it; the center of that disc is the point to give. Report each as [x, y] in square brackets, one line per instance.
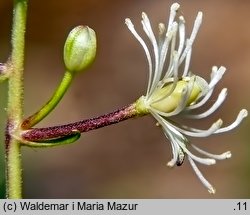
[80, 48]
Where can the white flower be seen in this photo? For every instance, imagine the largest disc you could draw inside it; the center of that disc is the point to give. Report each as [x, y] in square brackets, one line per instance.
[171, 92]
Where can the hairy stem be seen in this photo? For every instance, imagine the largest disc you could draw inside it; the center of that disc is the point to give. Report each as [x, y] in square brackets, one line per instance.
[13, 166]
[15, 102]
[39, 134]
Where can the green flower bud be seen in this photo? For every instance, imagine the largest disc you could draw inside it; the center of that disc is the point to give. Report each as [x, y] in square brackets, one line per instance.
[80, 48]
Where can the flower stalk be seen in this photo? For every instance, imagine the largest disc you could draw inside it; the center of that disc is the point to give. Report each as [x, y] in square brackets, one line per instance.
[50, 133]
[79, 54]
[51, 104]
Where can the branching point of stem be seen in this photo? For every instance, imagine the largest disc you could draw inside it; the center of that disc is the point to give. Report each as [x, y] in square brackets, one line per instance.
[51, 104]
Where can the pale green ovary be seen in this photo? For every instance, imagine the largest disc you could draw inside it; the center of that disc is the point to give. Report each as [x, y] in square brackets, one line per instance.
[171, 102]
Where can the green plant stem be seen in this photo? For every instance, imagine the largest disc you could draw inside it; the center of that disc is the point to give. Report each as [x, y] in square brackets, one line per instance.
[51, 104]
[14, 188]
[13, 169]
[15, 102]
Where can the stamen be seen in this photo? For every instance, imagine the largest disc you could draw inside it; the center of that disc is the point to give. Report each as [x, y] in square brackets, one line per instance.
[180, 140]
[213, 72]
[242, 114]
[143, 44]
[215, 106]
[223, 156]
[196, 27]
[197, 24]
[175, 148]
[162, 34]
[175, 80]
[203, 180]
[172, 50]
[216, 76]
[181, 157]
[148, 29]
[187, 63]
[205, 161]
[169, 37]
[171, 163]
[196, 132]
[181, 34]
[173, 10]
[201, 102]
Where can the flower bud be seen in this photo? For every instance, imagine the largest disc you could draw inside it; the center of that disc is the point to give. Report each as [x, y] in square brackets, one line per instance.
[80, 48]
